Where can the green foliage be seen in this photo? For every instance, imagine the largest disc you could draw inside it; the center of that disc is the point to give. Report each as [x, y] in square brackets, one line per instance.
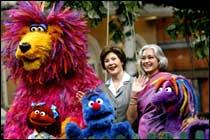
[193, 25]
[136, 136]
[201, 46]
[152, 136]
[94, 10]
[120, 137]
[125, 13]
[6, 7]
[199, 135]
[165, 135]
[183, 135]
[189, 24]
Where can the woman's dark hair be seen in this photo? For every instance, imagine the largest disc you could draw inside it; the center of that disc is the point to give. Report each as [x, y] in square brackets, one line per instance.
[116, 50]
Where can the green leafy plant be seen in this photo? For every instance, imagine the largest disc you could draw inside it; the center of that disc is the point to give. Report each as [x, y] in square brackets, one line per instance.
[93, 10]
[193, 25]
[126, 14]
[122, 13]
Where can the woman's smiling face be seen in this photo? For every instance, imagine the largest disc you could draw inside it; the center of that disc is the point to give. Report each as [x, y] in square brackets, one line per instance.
[112, 64]
[149, 62]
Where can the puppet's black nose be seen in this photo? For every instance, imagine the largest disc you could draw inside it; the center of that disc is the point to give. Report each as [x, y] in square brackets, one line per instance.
[24, 47]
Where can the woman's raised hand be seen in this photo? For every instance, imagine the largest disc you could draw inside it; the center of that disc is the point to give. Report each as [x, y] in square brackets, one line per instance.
[139, 84]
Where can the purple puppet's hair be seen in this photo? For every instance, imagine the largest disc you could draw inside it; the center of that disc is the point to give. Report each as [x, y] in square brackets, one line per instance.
[188, 99]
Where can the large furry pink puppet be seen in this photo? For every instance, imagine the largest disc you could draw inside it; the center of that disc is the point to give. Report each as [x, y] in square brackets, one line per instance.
[46, 52]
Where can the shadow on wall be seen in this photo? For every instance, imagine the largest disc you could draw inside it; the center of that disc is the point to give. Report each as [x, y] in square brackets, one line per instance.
[132, 66]
[94, 51]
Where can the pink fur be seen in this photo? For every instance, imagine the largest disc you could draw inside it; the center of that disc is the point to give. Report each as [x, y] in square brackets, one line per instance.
[62, 95]
[51, 83]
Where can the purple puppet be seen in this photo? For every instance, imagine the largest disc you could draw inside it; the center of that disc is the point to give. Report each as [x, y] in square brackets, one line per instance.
[166, 101]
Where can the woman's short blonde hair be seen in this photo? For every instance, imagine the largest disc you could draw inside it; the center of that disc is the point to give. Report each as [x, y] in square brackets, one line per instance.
[163, 61]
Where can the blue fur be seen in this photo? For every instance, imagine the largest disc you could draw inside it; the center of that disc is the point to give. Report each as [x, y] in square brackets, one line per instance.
[99, 122]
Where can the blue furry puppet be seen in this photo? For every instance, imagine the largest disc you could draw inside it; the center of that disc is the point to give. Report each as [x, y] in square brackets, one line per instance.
[99, 115]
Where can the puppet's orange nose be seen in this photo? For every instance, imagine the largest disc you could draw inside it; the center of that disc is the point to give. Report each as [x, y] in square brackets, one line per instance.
[38, 116]
[96, 106]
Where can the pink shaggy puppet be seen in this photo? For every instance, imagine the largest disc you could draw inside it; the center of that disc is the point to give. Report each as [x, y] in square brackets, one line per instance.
[46, 52]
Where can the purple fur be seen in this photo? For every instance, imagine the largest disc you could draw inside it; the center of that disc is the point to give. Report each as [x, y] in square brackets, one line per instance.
[164, 110]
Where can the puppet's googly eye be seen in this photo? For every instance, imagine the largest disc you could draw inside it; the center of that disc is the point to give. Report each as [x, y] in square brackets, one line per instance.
[99, 101]
[36, 112]
[168, 89]
[33, 29]
[160, 89]
[42, 113]
[41, 29]
[90, 104]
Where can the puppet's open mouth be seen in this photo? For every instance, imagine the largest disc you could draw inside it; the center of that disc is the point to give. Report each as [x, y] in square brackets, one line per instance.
[40, 122]
[100, 115]
[31, 63]
[30, 60]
